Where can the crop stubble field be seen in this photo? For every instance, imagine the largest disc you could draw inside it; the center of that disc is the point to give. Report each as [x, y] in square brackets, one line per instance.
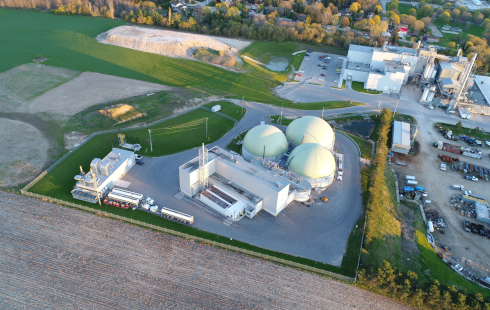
[55, 257]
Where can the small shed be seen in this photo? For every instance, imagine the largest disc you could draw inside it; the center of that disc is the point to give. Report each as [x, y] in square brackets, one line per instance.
[401, 137]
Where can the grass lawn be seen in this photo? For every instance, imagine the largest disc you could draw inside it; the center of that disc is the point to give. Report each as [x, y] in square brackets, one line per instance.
[364, 145]
[69, 42]
[474, 29]
[153, 107]
[404, 8]
[343, 85]
[359, 86]
[233, 144]
[264, 51]
[465, 131]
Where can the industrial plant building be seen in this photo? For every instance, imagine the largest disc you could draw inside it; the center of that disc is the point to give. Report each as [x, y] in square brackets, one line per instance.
[401, 137]
[275, 169]
[383, 69]
[388, 68]
[103, 174]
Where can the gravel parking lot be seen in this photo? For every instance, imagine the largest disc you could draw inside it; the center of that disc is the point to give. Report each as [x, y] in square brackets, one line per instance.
[54, 257]
[469, 249]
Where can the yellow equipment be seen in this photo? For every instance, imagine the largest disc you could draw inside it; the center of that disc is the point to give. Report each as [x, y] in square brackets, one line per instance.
[324, 199]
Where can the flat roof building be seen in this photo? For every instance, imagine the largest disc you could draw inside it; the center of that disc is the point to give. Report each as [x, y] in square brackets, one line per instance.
[401, 137]
[102, 175]
[237, 187]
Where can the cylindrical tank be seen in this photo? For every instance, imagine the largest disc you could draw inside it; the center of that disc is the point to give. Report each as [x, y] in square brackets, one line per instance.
[311, 129]
[264, 140]
[314, 163]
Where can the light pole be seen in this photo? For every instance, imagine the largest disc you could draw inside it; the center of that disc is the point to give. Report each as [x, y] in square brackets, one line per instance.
[206, 127]
[231, 231]
[282, 107]
[323, 110]
[474, 119]
[396, 108]
[151, 145]
[379, 106]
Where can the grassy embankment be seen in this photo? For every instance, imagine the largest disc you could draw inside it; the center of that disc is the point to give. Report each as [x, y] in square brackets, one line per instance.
[69, 42]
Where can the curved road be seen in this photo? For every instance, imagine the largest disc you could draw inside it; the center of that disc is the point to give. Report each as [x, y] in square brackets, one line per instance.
[320, 232]
[53, 257]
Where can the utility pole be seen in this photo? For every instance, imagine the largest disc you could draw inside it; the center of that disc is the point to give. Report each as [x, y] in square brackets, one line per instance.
[379, 106]
[282, 107]
[206, 127]
[396, 108]
[151, 145]
[474, 119]
[231, 231]
[323, 110]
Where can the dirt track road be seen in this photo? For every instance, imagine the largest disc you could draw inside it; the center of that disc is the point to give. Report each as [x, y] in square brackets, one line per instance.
[56, 257]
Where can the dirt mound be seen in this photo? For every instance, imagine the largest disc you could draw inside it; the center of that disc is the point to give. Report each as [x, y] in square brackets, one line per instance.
[167, 42]
[215, 57]
[122, 113]
[23, 153]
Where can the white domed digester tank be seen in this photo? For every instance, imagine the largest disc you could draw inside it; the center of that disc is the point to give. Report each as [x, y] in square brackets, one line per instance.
[264, 140]
[311, 129]
[314, 163]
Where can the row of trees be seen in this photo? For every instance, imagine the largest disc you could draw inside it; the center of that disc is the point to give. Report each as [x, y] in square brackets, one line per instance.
[404, 287]
[379, 206]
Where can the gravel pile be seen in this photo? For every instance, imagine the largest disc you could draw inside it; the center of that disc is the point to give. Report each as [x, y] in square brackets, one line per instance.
[167, 42]
[56, 257]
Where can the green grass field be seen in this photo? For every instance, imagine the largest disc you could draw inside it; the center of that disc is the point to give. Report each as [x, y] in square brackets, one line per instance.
[69, 42]
[465, 131]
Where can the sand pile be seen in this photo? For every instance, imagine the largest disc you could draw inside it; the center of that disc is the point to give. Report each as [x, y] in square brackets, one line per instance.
[122, 113]
[167, 42]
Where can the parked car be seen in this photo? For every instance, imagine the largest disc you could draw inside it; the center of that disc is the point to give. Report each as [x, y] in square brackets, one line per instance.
[309, 51]
[467, 227]
[458, 267]
[474, 228]
[481, 230]
[307, 55]
[307, 58]
[487, 143]
[488, 234]
[322, 74]
[299, 74]
[139, 162]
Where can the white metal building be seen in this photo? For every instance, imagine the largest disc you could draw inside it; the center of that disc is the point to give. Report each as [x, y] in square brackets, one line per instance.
[483, 83]
[237, 187]
[401, 137]
[383, 69]
[103, 174]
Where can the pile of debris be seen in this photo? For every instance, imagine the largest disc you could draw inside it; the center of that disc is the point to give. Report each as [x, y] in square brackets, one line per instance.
[465, 208]
[437, 220]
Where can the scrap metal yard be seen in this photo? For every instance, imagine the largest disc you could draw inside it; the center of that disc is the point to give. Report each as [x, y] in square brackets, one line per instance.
[56, 257]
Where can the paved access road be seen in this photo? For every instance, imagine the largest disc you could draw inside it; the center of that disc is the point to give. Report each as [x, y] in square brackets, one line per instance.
[53, 257]
[319, 232]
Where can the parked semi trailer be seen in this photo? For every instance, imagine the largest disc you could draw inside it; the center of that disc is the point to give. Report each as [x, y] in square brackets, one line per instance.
[176, 215]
